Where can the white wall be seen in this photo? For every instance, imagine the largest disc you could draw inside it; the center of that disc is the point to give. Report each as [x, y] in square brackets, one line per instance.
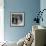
[1, 20]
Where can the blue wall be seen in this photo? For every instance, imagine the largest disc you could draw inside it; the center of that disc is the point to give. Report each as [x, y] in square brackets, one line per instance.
[29, 7]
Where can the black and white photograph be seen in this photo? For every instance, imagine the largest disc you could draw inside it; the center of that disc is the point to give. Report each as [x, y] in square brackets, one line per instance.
[17, 19]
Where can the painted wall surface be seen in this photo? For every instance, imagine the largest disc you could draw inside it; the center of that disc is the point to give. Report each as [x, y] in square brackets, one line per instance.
[43, 6]
[1, 20]
[29, 7]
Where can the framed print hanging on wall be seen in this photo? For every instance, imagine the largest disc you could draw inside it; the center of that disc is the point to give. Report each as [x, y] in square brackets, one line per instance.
[17, 19]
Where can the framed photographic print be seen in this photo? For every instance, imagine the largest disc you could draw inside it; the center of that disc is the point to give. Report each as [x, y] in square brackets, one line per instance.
[17, 19]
